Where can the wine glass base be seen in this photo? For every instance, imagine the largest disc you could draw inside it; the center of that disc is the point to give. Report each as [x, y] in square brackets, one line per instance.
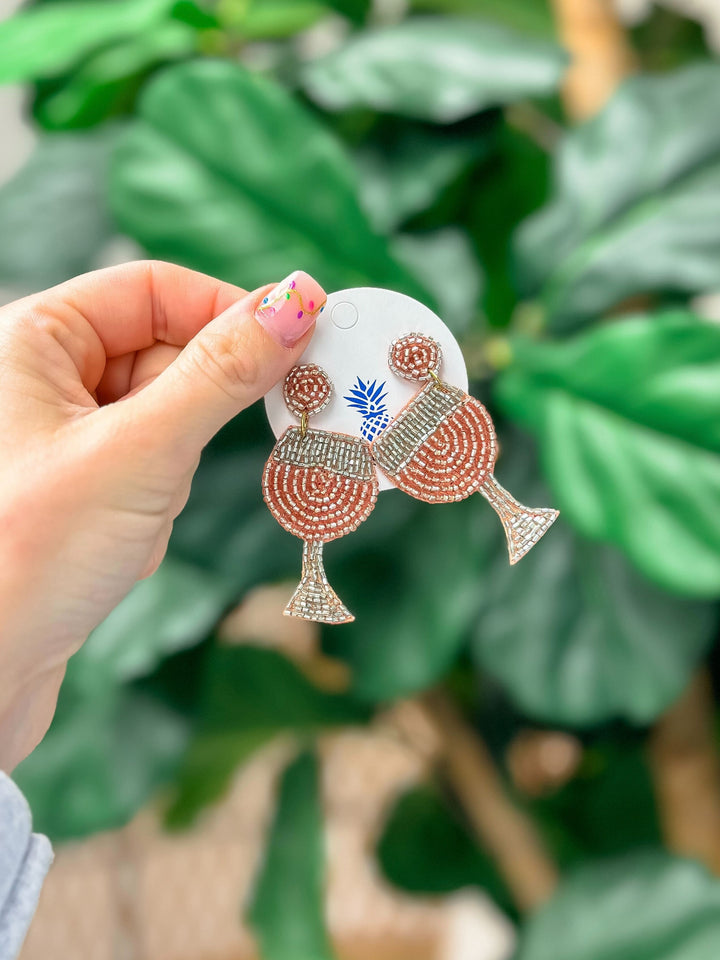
[314, 598]
[523, 531]
[318, 602]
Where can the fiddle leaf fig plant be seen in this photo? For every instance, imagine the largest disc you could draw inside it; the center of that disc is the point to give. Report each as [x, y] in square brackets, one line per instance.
[422, 147]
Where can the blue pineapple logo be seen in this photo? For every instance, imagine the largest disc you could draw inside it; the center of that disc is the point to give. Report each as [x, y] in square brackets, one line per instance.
[367, 398]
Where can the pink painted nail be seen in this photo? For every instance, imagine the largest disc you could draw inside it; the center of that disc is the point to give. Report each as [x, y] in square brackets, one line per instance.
[290, 308]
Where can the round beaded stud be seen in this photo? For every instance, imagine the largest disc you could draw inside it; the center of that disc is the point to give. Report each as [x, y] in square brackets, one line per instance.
[415, 357]
[307, 389]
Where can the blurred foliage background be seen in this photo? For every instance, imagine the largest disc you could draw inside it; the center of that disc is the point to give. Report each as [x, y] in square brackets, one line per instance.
[548, 180]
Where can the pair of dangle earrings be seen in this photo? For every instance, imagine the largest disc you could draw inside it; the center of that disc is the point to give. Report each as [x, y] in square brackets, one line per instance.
[440, 447]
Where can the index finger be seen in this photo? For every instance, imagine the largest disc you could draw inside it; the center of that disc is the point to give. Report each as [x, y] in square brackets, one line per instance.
[134, 305]
[123, 309]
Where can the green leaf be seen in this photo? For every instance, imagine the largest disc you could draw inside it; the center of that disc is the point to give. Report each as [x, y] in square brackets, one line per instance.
[577, 637]
[277, 19]
[287, 912]
[415, 593]
[424, 848]
[438, 69]
[445, 261]
[43, 41]
[252, 687]
[225, 172]
[666, 39]
[53, 217]
[643, 907]
[407, 166]
[248, 697]
[174, 609]
[607, 808]
[198, 14]
[355, 10]
[103, 757]
[626, 416]
[531, 16]
[226, 528]
[510, 185]
[637, 204]
[108, 82]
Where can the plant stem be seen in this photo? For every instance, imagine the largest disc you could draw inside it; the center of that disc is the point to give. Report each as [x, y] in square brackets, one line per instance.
[126, 945]
[541, 129]
[686, 770]
[500, 826]
[601, 55]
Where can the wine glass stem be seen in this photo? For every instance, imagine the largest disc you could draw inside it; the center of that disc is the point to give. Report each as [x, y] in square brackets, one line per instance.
[313, 568]
[523, 525]
[314, 598]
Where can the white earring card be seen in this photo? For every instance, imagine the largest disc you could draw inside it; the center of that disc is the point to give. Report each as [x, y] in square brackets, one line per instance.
[351, 343]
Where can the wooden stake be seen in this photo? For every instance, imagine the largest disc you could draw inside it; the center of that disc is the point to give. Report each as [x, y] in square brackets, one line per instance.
[501, 827]
[601, 55]
[686, 770]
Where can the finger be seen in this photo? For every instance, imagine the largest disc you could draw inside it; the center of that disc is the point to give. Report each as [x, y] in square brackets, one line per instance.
[132, 306]
[119, 310]
[132, 371]
[230, 363]
[115, 380]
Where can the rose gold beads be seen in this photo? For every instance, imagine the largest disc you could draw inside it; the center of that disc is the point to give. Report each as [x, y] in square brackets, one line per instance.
[319, 486]
[307, 389]
[322, 486]
[414, 356]
[442, 444]
[442, 447]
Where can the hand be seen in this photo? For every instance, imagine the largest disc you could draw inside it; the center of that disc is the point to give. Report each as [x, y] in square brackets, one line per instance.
[110, 386]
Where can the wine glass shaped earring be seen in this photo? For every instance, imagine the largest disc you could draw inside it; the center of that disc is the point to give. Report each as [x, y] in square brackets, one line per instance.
[442, 446]
[319, 486]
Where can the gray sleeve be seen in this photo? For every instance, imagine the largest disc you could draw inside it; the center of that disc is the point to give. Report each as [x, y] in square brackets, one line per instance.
[24, 860]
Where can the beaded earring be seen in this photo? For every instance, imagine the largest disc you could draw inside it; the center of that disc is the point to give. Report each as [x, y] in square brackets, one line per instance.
[319, 486]
[442, 447]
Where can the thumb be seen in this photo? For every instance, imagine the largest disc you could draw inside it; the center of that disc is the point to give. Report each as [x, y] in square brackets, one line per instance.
[231, 362]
